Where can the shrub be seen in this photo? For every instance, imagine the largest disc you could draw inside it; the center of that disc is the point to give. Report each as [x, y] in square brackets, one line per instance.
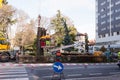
[98, 53]
[103, 49]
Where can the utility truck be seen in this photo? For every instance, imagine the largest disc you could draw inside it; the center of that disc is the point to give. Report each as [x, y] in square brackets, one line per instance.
[4, 49]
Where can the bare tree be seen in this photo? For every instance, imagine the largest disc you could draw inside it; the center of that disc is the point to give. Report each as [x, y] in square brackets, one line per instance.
[44, 22]
[26, 36]
[22, 19]
[59, 28]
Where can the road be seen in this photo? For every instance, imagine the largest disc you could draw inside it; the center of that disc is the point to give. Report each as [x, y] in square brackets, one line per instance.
[74, 71]
[13, 73]
[77, 72]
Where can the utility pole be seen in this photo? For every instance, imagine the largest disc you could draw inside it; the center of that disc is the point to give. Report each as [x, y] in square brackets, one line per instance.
[38, 37]
[86, 42]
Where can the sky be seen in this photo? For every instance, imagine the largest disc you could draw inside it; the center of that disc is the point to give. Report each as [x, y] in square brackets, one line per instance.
[81, 12]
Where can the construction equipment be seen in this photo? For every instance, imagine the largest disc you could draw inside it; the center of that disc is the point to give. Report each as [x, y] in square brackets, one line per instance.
[63, 47]
[6, 19]
[4, 49]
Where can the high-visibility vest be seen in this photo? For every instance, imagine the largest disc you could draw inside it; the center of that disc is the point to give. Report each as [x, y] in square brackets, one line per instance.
[47, 43]
[118, 53]
[58, 56]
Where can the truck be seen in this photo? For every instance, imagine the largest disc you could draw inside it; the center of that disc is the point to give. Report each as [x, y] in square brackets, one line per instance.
[4, 49]
[92, 49]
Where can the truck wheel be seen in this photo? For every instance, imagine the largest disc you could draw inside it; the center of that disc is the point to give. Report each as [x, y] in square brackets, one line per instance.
[5, 57]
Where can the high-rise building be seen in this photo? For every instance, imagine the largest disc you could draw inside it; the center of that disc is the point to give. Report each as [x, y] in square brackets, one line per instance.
[108, 23]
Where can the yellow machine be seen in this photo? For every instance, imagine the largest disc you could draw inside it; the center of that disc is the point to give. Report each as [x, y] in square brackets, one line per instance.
[4, 50]
[3, 44]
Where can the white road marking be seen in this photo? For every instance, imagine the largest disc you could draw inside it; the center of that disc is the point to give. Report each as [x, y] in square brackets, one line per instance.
[47, 77]
[17, 79]
[114, 73]
[95, 74]
[74, 75]
[64, 68]
[3, 73]
[16, 73]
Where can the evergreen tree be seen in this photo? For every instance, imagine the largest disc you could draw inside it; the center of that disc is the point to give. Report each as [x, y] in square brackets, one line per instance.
[67, 40]
[63, 28]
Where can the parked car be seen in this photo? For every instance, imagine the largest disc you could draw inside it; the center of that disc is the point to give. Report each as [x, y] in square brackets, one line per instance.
[118, 63]
[114, 56]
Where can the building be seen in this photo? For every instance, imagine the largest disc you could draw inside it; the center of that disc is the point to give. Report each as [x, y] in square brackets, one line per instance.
[80, 41]
[108, 23]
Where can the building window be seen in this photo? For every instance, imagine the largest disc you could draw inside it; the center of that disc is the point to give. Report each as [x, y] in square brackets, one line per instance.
[111, 5]
[112, 26]
[117, 18]
[103, 9]
[98, 14]
[103, 29]
[118, 2]
[99, 36]
[112, 34]
[108, 0]
[117, 25]
[112, 19]
[103, 22]
[103, 16]
[118, 33]
[103, 35]
[117, 10]
[108, 13]
[106, 35]
[102, 3]
[108, 27]
[108, 7]
[108, 20]
[112, 11]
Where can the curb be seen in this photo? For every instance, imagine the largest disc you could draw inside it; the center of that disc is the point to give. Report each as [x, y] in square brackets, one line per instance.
[50, 64]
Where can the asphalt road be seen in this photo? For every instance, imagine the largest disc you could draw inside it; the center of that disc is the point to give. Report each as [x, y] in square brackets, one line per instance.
[75, 72]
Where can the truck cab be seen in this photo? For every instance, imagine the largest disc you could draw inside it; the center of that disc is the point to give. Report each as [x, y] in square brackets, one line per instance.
[4, 50]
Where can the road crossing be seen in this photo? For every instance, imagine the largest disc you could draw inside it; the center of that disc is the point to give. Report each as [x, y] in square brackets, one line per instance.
[13, 73]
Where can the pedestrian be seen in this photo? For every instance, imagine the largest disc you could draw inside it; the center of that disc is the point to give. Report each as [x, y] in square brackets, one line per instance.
[58, 56]
[17, 56]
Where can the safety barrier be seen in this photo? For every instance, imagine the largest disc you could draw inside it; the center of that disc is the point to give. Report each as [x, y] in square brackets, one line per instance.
[64, 58]
[83, 58]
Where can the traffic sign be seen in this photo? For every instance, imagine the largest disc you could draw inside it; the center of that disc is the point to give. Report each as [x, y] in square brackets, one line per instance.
[58, 67]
